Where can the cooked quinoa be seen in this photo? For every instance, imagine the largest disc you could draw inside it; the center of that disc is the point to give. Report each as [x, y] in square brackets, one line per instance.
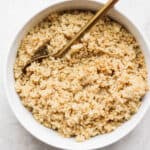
[94, 88]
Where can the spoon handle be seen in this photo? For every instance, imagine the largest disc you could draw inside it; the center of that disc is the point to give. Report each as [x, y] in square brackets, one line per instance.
[102, 11]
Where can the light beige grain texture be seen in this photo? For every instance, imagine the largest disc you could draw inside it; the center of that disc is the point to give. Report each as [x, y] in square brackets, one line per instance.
[92, 90]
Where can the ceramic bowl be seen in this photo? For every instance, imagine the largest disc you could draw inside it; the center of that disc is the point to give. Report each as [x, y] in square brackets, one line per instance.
[24, 116]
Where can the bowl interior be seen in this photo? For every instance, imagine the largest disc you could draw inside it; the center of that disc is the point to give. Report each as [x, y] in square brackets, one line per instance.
[51, 137]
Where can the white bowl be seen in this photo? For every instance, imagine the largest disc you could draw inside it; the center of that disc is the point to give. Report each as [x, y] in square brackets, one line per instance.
[47, 135]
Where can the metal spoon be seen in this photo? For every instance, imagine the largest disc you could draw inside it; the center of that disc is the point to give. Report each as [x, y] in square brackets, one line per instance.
[42, 51]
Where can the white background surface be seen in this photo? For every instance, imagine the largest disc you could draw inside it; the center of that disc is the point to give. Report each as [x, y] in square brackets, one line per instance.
[13, 14]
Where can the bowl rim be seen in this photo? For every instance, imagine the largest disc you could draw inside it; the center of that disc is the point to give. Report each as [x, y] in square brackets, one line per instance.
[52, 4]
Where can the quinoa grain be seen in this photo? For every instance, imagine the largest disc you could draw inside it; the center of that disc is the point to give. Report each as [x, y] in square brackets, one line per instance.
[94, 88]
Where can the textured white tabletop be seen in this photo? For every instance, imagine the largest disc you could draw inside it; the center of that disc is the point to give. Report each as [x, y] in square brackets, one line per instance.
[13, 14]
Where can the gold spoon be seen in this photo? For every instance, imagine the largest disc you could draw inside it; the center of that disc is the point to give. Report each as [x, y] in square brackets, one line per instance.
[42, 51]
